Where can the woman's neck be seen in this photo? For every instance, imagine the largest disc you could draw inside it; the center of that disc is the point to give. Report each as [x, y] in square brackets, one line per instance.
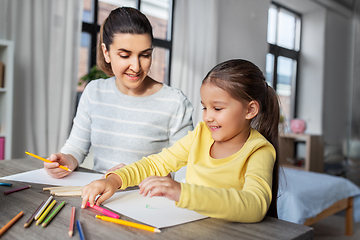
[147, 88]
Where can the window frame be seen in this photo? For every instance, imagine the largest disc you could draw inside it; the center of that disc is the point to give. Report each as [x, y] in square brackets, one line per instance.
[93, 29]
[278, 51]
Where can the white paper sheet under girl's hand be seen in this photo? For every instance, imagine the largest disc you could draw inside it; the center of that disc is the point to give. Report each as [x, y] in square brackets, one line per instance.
[156, 211]
[40, 176]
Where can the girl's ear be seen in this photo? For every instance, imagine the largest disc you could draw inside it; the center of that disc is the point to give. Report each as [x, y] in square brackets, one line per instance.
[252, 110]
[105, 52]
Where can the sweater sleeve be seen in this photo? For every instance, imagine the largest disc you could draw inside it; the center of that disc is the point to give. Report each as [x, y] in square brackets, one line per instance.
[247, 205]
[78, 143]
[168, 160]
[182, 121]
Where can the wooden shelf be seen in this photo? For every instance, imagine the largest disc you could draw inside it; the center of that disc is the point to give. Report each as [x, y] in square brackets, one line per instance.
[312, 157]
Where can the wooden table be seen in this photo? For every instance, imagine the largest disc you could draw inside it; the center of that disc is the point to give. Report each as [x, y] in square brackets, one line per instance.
[29, 199]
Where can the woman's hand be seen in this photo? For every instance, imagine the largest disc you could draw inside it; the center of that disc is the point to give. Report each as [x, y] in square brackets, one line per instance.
[57, 159]
[161, 186]
[113, 169]
[105, 187]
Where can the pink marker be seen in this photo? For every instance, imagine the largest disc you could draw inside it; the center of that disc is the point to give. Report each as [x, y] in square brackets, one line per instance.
[104, 211]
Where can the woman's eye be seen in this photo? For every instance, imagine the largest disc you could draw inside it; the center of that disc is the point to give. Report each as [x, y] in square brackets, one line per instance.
[204, 108]
[146, 55]
[124, 56]
[217, 109]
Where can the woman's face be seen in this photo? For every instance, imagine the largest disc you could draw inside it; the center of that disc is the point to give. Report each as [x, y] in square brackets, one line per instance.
[130, 58]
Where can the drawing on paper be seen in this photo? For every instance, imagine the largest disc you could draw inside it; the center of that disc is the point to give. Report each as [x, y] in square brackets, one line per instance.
[148, 206]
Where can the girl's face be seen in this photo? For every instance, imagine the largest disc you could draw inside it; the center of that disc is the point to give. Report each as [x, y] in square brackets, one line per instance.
[130, 58]
[227, 118]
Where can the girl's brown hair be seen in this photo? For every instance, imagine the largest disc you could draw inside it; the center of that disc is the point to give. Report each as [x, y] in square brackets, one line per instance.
[120, 20]
[244, 81]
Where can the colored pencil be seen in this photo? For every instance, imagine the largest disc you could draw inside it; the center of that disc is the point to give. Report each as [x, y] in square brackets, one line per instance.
[130, 224]
[43, 208]
[28, 222]
[104, 211]
[17, 189]
[45, 213]
[82, 237]
[5, 184]
[11, 222]
[63, 189]
[68, 194]
[48, 161]
[72, 219]
[52, 215]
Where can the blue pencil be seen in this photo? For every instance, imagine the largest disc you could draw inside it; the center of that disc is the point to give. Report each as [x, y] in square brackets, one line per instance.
[82, 237]
[5, 184]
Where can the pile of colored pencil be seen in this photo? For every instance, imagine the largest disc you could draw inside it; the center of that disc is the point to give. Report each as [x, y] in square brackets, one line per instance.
[65, 191]
[41, 213]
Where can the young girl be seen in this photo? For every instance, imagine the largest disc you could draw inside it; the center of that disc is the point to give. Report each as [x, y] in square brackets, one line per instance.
[130, 115]
[230, 156]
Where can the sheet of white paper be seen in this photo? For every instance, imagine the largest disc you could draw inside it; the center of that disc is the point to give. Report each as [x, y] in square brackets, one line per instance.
[40, 176]
[156, 211]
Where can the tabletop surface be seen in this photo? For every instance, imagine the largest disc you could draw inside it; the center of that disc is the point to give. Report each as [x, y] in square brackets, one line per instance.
[28, 200]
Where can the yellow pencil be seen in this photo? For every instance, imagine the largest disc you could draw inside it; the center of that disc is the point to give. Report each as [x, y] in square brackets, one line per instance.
[130, 224]
[43, 215]
[48, 161]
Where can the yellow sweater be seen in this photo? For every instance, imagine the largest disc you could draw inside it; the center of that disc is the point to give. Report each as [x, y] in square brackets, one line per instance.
[236, 188]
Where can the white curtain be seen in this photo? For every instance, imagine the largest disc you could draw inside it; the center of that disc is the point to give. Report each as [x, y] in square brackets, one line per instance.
[46, 36]
[194, 47]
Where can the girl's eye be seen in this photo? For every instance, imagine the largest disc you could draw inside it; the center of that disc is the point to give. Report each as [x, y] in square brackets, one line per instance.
[146, 55]
[217, 109]
[124, 56]
[204, 108]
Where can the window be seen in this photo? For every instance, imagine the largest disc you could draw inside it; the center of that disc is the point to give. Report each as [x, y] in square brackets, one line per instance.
[282, 60]
[159, 13]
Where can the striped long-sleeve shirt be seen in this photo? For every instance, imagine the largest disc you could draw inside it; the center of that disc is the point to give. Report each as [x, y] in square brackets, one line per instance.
[123, 129]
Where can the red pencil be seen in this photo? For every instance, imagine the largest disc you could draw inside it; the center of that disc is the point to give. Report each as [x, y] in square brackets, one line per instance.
[72, 220]
[17, 189]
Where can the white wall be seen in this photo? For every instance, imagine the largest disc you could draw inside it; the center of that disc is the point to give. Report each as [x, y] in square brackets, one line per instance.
[311, 71]
[336, 78]
[243, 30]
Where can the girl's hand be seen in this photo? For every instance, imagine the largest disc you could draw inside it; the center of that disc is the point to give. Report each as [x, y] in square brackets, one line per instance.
[60, 159]
[161, 186]
[113, 169]
[105, 187]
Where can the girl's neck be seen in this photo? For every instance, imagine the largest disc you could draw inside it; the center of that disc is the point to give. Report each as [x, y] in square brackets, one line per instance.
[225, 149]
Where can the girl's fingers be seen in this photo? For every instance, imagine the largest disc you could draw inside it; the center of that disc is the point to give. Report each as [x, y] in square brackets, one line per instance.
[149, 184]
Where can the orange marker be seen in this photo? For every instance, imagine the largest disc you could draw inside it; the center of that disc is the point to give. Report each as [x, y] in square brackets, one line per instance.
[48, 161]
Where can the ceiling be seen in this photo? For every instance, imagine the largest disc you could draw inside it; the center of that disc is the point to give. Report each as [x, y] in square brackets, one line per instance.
[344, 7]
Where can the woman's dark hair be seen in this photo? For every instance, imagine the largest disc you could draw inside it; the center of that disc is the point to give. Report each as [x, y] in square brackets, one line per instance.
[244, 81]
[120, 20]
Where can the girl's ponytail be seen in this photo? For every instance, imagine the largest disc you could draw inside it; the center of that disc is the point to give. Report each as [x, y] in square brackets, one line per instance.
[267, 123]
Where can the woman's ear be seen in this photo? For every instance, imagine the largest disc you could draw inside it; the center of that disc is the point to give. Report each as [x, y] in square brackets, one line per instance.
[252, 109]
[105, 52]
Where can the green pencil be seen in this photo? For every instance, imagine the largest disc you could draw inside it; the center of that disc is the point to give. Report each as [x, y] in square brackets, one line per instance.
[52, 215]
[45, 213]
